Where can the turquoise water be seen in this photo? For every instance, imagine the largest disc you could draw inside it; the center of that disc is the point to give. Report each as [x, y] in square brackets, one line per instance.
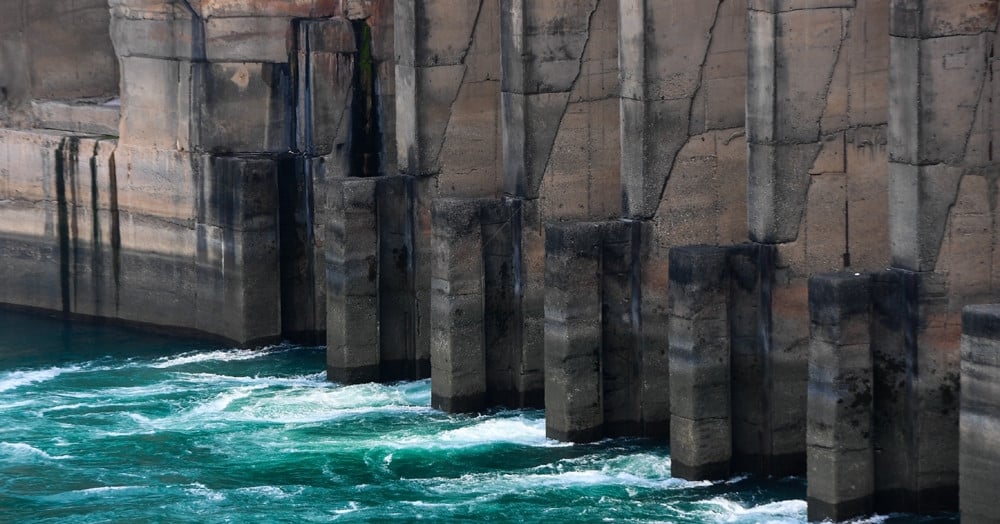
[111, 425]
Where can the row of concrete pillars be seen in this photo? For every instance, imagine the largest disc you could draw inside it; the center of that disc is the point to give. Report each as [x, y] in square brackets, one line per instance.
[814, 116]
[883, 404]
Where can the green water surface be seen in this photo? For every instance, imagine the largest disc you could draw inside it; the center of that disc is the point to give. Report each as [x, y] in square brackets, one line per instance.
[101, 424]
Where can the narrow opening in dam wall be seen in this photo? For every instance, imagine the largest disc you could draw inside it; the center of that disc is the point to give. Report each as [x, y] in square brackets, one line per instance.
[366, 135]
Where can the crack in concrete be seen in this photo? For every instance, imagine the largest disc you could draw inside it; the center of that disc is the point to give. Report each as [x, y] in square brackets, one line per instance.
[691, 100]
[986, 77]
[579, 72]
[701, 73]
[438, 164]
[803, 215]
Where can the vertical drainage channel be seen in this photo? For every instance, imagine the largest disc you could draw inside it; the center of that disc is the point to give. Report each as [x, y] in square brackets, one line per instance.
[66, 156]
[116, 234]
[96, 253]
[299, 322]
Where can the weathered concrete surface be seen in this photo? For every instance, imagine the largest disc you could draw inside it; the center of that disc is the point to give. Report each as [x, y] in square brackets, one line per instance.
[979, 461]
[574, 411]
[942, 227]
[816, 116]
[600, 340]
[701, 440]
[352, 335]
[53, 50]
[82, 241]
[477, 243]
[683, 160]
[458, 347]
[915, 346]
[559, 104]
[559, 130]
[97, 117]
[447, 126]
[937, 142]
[370, 297]
[841, 474]
[677, 87]
[448, 92]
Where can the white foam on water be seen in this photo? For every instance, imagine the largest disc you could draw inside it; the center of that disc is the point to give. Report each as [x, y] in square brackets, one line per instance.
[5, 406]
[16, 379]
[874, 519]
[106, 489]
[273, 492]
[299, 404]
[312, 380]
[222, 355]
[200, 490]
[62, 407]
[22, 451]
[518, 430]
[222, 401]
[724, 510]
[632, 472]
[352, 507]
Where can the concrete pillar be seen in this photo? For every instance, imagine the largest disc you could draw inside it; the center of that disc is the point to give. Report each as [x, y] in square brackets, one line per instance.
[841, 475]
[916, 393]
[397, 304]
[447, 105]
[621, 360]
[748, 324]
[678, 86]
[594, 366]
[936, 46]
[979, 462]
[458, 359]
[574, 411]
[475, 243]
[700, 403]
[652, 331]
[940, 223]
[242, 219]
[352, 282]
[503, 330]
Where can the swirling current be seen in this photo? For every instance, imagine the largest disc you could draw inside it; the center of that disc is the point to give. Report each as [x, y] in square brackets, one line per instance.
[102, 424]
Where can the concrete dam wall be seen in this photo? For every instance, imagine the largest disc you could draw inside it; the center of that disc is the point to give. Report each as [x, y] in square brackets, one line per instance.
[715, 221]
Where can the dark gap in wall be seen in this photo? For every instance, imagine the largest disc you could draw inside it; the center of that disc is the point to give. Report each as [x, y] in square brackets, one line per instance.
[116, 235]
[366, 136]
[299, 322]
[62, 213]
[96, 253]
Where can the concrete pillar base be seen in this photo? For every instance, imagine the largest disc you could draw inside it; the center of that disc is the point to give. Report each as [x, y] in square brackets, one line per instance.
[700, 403]
[979, 459]
[841, 473]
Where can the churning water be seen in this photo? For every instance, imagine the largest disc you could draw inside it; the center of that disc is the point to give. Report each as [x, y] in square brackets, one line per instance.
[100, 424]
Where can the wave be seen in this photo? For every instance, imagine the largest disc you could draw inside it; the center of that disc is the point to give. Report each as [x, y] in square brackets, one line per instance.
[519, 430]
[16, 379]
[106, 489]
[224, 355]
[22, 451]
[725, 510]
